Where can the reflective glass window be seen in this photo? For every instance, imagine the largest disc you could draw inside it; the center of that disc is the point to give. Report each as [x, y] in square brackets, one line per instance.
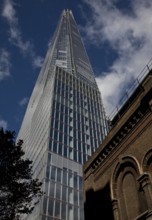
[51, 206]
[58, 191]
[64, 193]
[57, 209]
[53, 172]
[63, 214]
[59, 173]
[52, 189]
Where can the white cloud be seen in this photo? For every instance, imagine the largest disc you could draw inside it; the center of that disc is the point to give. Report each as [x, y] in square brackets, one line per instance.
[9, 12]
[15, 35]
[38, 61]
[24, 101]
[4, 64]
[3, 124]
[129, 34]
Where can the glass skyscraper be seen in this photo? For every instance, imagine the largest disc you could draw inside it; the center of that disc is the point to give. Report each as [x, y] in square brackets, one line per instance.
[64, 124]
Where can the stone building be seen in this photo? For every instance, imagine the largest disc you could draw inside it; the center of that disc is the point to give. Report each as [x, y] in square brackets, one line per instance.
[118, 176]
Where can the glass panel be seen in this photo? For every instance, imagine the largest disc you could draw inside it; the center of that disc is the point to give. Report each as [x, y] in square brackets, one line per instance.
[46, 186]
[48, 171]
[75, 213]
[60, 149]
[63, 216]
[59, 172]
[71, 196]
[71, 179]
[80, 182]
[52, 188]
[53, 173]
[58, 191]
[65, 151]
[64, 193]
[70, 212]
[75, 181]
[75, 155]
[75, 197]
[64, 176]
[44, 204]
[51, 207]
[57, 209]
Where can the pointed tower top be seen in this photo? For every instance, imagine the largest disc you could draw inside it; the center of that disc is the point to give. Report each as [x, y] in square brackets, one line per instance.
[67, 11]
[71, 53]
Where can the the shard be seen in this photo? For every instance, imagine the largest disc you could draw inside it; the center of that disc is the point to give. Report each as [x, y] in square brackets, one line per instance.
[64, 124]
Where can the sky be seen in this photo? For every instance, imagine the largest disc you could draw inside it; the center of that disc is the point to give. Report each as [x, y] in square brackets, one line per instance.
[117, 35]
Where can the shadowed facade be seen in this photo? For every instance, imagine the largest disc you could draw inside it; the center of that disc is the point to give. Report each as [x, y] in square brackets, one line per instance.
[118, 176]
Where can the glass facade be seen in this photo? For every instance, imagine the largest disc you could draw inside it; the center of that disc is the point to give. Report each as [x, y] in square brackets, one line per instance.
[63, 125]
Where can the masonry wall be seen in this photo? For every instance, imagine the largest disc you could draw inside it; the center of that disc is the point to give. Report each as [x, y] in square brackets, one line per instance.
[118, 177]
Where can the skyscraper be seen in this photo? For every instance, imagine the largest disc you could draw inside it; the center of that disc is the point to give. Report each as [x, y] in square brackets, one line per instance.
[64, 123]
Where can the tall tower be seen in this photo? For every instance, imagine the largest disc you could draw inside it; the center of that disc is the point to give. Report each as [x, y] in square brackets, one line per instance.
[64, 123]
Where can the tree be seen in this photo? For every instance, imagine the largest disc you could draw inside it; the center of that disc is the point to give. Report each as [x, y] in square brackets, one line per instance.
[19, 192]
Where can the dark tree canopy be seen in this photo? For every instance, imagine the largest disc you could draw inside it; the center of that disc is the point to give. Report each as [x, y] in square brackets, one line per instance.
[19, 192]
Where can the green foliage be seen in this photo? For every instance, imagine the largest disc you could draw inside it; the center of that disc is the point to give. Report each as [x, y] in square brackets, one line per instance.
[18, 191]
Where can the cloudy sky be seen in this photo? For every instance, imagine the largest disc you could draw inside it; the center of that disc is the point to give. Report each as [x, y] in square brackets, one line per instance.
[117, 35]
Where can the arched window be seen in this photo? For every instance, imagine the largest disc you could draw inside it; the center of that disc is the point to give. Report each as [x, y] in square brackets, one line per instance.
[126, 189]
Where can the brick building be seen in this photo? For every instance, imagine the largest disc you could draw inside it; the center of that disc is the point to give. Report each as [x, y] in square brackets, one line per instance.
[118, 177]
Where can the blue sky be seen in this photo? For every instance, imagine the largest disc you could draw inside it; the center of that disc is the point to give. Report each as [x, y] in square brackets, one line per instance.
[117, 35]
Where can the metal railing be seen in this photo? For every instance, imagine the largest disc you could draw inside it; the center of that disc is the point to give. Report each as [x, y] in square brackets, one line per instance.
[131, 89]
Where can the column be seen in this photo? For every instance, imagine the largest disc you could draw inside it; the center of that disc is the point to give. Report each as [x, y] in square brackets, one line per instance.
[145, 183]
[115, 209]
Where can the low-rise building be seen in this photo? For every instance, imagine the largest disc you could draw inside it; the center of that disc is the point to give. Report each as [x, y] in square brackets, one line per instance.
[118, 176]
